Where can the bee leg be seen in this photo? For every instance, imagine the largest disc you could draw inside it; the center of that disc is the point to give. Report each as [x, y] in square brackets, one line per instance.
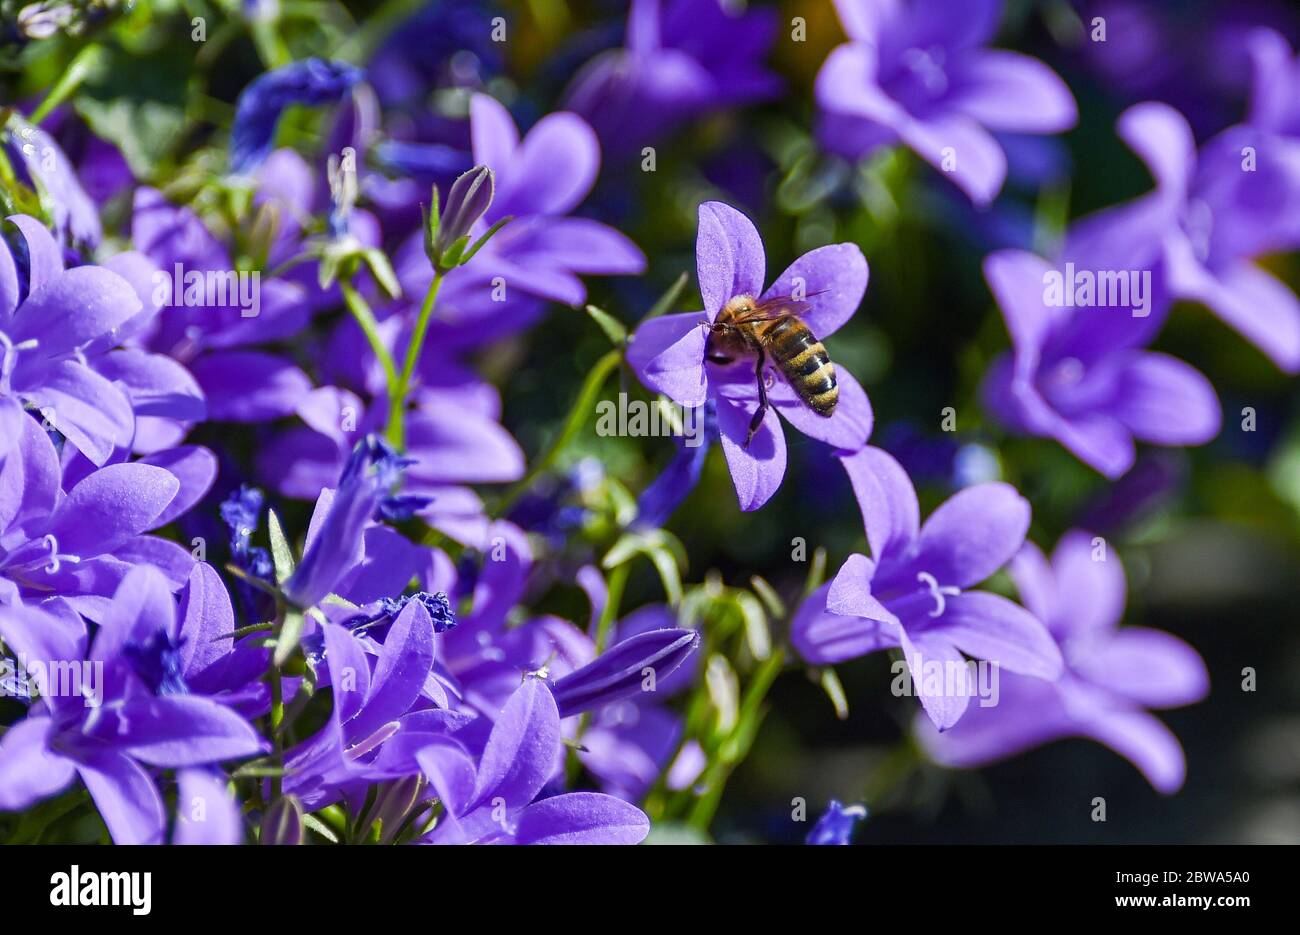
[759, 413]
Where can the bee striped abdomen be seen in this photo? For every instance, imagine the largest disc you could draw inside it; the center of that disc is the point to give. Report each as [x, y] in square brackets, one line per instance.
[804, 363]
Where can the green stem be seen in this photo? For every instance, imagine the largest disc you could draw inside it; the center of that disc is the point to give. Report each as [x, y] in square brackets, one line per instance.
[617, 582]
[397, 399]
[69, 81]
[582, 409]
[277, 717]
[365, 318]
[734, 748]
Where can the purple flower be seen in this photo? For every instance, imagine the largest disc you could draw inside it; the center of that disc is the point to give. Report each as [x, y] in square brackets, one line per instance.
[672, 354]
[682, 58]
[117, 725]
[912, 594]
[469, 199]
[1210, 215]
[622, 671]
[257, 112]
[369, 710]
[1112, 674]
[80, 543]
[837, 824]
[1080, 376]
[537, 257]
[365, 493]
[41, 162]
[918, 73]
[51, 332]
[498, 799]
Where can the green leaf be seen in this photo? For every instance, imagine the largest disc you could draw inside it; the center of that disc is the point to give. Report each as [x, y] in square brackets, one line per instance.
[756, 634]
[281, 554]
[612, 327]
[382, 270]
[830, 683]
[325, 831]
[478, 244]
[290, 636]
[137, 103]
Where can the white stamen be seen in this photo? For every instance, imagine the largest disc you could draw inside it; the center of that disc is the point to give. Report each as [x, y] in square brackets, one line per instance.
[940, 594]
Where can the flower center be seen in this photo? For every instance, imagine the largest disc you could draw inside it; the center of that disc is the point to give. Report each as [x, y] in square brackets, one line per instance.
[9, 356]
[926, 68]
[1198, 224]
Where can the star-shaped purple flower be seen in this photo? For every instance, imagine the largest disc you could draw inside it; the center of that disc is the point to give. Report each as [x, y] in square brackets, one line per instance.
[1079, 375]
[917, 72]
[1112, 674]
[1211, 214]
[671, 353]
[912, 594]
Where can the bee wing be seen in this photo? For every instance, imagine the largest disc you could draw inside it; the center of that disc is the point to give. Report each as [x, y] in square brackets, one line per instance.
[778, 306]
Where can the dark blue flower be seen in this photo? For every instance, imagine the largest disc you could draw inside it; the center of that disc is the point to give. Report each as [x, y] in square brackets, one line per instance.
[310, 81]
[157, 660]
[837, 824]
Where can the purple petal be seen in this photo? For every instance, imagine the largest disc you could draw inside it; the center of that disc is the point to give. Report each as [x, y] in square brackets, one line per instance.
[552, 170]
[29, 770]
[887, 500]
[824, 638]
[1150, 667]
[940, 676]
[1091, 592]
[405, 659]
[493, 132]
[158, 386]
[111, 506]
[729, 258]
[249, 386]
[973, 534]
[1162, 138]
[194, 467]
[582, 818]
[142, 606]
[74, 309]
[205, 811]
[757, 470]
[1165, 401]
[1144, 741]
[44, 257]
[978, 164]
[450, 772]
[94, 415]
[349, 672]
[620, 672]
[126, 797]
[1011, 92]
[523, 749]
[831, 279]
[667, 354]
[174, 731]
[205, 614]
[1255, 303]
[992, 628]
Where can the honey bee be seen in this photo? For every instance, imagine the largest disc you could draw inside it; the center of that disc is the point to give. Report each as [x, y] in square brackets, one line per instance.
[773, 329]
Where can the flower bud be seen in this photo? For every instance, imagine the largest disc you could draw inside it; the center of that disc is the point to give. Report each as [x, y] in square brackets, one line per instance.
[623, 669]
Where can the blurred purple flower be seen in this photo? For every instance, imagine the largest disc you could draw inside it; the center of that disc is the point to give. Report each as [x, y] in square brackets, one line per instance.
[1112, 674]
[1209, 216]
[682, 58]
[257, 112]
[917, 73]
[1079, 375]
[669, 353]
[911, 594]
[536, 258]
